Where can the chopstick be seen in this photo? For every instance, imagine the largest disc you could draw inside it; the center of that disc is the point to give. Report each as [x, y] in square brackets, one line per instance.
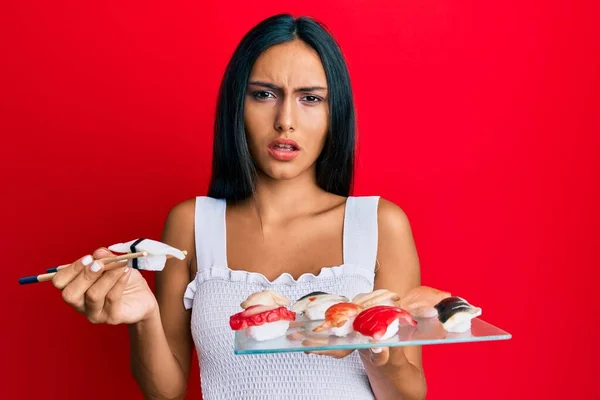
[52, 271]
[48, 276]
[56, 269]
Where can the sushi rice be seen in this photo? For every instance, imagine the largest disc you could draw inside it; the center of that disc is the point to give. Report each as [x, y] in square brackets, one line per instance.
[268, 331]
[316, 311]
[461, 321]
[343, 330]
[392, 329]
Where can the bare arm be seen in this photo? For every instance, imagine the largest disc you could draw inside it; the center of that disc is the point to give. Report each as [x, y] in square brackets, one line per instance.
[161, 345]
[396, 373]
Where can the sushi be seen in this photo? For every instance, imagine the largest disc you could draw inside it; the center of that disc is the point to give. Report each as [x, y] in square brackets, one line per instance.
[381, 322]
[420, 302]
[339, 318]
[265, 298]
[455, 314]
[314, 305]
[263, 322]
[380, 297]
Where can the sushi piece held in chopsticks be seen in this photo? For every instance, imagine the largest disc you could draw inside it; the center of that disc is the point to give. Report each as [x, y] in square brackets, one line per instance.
[339, 319]
[143, 254]
[455, 314]
[266, 298]
[263, 322]
[380, 297]
[157, 253]
[381, 322]
[420, 302]
[314, 304]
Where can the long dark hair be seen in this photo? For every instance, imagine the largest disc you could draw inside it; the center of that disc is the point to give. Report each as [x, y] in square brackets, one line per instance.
[234, 171]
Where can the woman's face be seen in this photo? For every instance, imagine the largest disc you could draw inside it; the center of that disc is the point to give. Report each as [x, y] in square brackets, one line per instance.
[286, 110]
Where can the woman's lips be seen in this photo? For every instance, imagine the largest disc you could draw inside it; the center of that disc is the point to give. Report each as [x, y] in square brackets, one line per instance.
[284, 149]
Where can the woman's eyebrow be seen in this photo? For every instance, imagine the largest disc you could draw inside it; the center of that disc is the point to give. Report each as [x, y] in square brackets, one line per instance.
[277, 88]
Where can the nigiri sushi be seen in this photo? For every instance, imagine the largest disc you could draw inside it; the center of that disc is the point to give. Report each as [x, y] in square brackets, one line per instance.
[420, 302]
[380, 297]
[314, 304]
[339, 318]
[266, 298]
[381, 322]
[455, 314]
[263, 322]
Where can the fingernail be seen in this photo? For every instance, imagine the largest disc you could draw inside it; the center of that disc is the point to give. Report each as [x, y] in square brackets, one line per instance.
[376, 350]
[126, 270]
[87, 260]
[95, 267]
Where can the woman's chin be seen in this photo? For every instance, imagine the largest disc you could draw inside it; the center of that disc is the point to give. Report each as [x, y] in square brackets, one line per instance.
[283, 172]
[280, 175]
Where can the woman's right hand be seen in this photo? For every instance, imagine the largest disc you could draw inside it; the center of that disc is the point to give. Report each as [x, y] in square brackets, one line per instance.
[115, 296]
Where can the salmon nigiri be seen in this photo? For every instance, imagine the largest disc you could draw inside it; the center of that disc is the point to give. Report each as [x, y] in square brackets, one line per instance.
[381, 322]
[339, 318]
[420, 302]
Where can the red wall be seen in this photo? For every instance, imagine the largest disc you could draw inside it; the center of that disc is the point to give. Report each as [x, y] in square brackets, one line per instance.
[480, 119]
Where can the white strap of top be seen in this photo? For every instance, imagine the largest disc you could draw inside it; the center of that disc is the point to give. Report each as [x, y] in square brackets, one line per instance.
[361, 231]
[210, 235]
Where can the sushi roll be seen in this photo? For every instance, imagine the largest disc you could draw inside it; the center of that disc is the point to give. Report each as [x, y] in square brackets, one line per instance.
[455, 314]
[263, 322]
[381, 322]
[265, 298]
[420, 302]
[380, 297]
[314, 305]
[339, 319]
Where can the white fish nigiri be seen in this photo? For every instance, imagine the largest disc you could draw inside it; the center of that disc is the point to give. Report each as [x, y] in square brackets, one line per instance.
[314, 304]
[420, 302]
[380, 297]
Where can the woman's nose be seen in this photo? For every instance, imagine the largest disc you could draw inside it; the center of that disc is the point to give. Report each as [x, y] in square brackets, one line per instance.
[286, 116]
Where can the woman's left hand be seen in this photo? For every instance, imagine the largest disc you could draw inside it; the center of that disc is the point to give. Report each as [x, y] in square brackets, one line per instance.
[378, 356]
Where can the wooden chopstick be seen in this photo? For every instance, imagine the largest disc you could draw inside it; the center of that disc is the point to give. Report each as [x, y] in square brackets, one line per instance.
[104, 260]
[52, 271]
[48, 276]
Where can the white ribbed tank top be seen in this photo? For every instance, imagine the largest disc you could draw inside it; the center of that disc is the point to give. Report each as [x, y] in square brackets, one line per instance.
[217, 291]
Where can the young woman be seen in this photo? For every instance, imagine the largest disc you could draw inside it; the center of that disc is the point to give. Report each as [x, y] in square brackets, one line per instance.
[278, 215]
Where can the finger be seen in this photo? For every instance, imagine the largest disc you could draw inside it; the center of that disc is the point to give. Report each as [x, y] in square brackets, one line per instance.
[331, 353]
[74, 292]
[379, 355]
[95, 296]
[64, 276]
[102, 252]
[114, 296]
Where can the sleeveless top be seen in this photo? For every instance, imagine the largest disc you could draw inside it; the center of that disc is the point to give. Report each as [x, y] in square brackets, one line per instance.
[217, 291]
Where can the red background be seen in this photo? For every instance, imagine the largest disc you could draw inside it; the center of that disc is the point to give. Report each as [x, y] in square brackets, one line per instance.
[480, 119]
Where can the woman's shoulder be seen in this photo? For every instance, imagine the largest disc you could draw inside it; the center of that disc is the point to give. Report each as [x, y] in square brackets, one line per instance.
[180, 220]
[186, 209]
[392, 218]
[179, 227]
[183, 210]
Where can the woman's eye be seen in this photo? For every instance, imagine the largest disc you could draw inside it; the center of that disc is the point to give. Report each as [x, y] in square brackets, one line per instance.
[312, 99]
[262, 95]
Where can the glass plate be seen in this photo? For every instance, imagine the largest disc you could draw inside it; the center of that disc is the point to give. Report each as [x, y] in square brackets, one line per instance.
[300, 337]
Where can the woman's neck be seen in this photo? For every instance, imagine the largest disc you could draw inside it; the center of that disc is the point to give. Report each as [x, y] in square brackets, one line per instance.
[277, 200]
